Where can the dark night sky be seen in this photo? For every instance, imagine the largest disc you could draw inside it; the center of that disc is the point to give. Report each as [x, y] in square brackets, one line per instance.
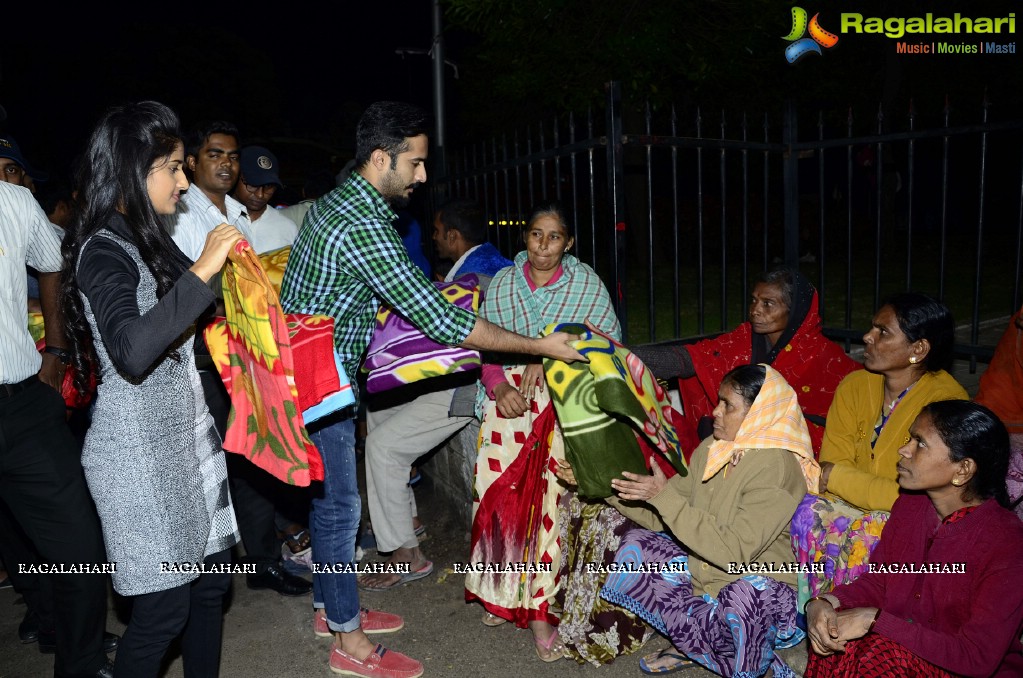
[289, 72]
[273, 75]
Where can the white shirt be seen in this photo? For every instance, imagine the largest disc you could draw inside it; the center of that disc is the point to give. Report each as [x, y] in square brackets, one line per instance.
[297, 211]
[458, 264]
[26, 237]
[272, 231]
[197, 216]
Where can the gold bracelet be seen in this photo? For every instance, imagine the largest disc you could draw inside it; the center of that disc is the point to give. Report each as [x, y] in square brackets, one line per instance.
[817, 598]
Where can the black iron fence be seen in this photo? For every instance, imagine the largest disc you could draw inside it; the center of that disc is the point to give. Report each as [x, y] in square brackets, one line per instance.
[677, 216]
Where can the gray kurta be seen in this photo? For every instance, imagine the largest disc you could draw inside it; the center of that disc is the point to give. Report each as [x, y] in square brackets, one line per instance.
[153, 461]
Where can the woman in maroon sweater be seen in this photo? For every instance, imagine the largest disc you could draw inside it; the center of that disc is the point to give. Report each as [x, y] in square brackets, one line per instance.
[942, 595]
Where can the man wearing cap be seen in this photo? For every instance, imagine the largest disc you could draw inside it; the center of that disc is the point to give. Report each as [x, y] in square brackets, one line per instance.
[13, 168]
[259, 180]
[41, 479]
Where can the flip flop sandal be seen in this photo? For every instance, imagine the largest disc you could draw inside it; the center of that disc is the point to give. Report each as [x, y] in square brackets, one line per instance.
[424, 571]
[679, 662]
[546, 647]
[493, 620]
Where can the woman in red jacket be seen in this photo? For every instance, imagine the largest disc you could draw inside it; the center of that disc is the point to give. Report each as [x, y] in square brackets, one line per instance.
[941, 597]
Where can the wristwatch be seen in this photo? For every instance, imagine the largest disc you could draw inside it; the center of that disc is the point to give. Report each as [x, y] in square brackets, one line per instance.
[63, 354]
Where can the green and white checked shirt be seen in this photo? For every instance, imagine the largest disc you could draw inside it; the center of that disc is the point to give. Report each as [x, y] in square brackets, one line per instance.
[348, 259]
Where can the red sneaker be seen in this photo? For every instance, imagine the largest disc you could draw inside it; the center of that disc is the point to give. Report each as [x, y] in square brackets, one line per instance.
[371, 621]
[381, 663]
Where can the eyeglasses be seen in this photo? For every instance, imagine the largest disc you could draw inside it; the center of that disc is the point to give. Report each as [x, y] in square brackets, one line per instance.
[265, 188]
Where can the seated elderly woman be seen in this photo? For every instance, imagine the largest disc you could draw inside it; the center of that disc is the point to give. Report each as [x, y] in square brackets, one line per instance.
[783, 331]
[942, 597]
[726, 596]
[906, 349]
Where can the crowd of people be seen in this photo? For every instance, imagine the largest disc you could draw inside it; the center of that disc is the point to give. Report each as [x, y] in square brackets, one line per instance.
[865, 510]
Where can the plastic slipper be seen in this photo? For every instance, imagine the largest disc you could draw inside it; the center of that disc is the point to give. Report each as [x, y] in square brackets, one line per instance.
[425, 571]
[545, 648]
[678, 662]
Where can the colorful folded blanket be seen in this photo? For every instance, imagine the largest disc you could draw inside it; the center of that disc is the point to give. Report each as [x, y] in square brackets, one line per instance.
[400, 354]
[253, 353]
[274, 262]
[614, 415]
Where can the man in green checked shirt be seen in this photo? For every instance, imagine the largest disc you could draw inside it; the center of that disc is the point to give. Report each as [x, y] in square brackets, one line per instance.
[347, 260]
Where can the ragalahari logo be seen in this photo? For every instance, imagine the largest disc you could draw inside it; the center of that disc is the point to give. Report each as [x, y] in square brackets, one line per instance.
[802, 46]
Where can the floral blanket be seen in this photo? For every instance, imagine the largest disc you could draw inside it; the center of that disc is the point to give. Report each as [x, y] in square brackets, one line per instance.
[612, 411]
[254, 353]
[400, 354]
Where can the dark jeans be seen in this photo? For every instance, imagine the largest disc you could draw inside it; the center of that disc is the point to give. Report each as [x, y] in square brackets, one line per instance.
[158, 618]
[42, 483]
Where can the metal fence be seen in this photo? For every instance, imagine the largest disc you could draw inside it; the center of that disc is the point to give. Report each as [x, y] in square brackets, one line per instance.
[679, 215]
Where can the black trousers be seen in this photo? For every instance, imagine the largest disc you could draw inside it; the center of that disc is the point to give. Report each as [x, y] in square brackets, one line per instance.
[36, 589]
[158, 618]
[42, 483]
[251, 486]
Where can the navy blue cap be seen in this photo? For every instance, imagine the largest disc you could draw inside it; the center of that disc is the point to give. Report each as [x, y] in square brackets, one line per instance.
[9, 149]
[259, 166]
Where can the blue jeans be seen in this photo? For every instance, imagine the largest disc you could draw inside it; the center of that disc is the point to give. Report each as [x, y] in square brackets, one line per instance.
[334, 522]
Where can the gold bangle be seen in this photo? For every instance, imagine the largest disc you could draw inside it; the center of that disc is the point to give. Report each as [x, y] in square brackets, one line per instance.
[817, 598]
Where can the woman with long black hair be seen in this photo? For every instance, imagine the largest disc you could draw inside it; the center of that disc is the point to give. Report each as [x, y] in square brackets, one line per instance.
[152, 458]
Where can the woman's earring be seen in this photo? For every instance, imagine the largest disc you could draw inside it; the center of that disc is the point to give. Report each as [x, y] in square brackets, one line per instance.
[913, 360]
[956, 483]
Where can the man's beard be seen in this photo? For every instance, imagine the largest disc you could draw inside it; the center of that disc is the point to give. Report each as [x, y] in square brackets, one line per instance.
[394, 191]
[399, 201]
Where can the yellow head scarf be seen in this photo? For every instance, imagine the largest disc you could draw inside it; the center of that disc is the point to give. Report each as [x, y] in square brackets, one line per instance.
[774, 421]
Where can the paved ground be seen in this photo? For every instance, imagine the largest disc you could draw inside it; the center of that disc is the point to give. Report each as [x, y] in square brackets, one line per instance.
[267, 635]
[270, 636]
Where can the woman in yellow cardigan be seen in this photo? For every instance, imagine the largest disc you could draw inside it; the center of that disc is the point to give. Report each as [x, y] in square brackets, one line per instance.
[908, 346]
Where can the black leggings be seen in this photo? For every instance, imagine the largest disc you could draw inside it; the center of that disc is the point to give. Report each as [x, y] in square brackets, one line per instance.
[158, 618]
